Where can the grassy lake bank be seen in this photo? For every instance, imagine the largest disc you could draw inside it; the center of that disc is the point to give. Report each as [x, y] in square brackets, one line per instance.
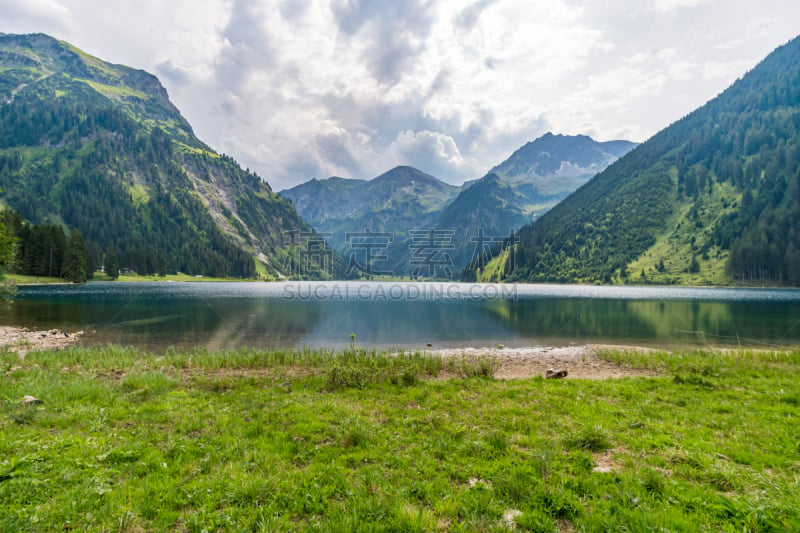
[20, 279]
[294, 440]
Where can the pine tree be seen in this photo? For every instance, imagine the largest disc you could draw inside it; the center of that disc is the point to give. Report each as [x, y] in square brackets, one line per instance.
[74, 268]
[792, 265]
[93, 258]
[111, 265]
[694, 266]
[7, 245]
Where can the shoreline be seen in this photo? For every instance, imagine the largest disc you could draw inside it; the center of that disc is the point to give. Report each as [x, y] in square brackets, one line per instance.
[185, 278]
[580, 361]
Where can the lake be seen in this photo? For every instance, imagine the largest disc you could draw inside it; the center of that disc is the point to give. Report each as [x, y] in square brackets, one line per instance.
[384, 314]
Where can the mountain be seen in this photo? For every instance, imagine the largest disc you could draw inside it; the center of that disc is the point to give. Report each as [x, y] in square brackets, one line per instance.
[481, 212]
[321, 201]
[397, 201]
[546, 170]
[560, 156]
[88, 145]
[712, 199]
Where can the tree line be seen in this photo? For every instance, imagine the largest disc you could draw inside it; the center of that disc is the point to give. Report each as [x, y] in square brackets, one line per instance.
[45, 250]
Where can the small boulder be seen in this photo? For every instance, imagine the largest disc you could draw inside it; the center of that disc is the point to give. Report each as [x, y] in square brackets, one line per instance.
[30, 400]
[556, 374]
[510, 517]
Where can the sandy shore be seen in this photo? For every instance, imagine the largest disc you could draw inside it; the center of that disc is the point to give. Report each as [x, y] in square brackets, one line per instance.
[21, 340]
[580, 362]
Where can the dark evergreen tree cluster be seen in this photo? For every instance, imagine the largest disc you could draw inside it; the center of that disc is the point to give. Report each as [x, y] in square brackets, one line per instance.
[46, 251]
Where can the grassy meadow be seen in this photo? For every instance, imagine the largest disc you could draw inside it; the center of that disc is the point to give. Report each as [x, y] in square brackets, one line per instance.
[364, 441]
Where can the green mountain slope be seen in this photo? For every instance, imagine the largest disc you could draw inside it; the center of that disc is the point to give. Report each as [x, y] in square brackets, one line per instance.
[713, 198]
[398, 201]
[483, 213]
[322, 202]
[99, 147]
[487, 211]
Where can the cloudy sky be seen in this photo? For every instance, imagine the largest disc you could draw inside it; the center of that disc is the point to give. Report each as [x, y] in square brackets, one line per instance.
[297, 89]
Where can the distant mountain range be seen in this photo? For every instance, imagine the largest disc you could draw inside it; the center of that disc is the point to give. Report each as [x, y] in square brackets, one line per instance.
[89, 145]
[397, 201]
[483, 211]
[712, 199]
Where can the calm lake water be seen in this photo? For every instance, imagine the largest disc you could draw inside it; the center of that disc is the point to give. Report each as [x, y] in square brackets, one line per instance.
[295, 314]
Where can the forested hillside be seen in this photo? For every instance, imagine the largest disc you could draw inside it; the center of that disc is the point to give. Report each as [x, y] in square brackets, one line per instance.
[98, 147]
[713, 198]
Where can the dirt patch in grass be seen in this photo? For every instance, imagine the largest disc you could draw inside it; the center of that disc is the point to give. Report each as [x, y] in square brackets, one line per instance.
[580, 362]
[604, 462]
[21, 340]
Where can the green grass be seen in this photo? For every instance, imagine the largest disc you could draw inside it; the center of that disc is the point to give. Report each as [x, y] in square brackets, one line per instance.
[114, 91]
[19, 279]
[262, 272]
[93, 61]
[314, 440]
[139, 194]
[493, 272]
[169, 277]
[185, 148]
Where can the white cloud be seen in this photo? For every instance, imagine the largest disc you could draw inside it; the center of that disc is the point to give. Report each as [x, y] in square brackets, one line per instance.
[297, 89]
[667, 6]
[41, 8]
[725, 70]
[439, 150]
